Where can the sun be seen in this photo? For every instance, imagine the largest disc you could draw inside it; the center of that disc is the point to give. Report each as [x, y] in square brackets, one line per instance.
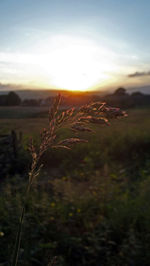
[74, 64]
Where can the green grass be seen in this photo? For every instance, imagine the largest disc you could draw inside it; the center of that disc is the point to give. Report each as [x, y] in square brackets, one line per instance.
[91, 205]
[17, 112]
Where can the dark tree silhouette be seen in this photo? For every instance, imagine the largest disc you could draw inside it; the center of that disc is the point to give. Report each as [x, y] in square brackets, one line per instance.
[13, 99]
[120, 92]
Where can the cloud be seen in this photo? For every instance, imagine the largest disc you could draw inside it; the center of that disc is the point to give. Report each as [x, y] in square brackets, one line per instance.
[139, 74]
[9, 87]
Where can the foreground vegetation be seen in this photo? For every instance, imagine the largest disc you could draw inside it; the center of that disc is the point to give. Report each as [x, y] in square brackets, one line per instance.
[94, 209]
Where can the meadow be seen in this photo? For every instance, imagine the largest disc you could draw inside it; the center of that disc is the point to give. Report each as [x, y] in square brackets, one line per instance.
[90, 205]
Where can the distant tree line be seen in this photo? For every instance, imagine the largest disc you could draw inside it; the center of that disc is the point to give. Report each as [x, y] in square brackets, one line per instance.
[119, 98]
[123, 99]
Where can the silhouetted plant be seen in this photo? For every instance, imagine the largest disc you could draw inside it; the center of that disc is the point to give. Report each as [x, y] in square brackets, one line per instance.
[77, 119]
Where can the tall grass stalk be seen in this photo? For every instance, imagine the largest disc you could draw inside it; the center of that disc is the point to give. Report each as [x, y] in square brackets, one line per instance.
[77, 120]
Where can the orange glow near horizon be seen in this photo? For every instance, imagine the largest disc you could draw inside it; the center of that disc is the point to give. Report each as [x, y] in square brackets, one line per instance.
[62, 62]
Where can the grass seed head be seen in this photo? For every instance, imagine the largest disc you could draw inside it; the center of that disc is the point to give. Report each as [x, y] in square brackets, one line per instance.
[71, 141]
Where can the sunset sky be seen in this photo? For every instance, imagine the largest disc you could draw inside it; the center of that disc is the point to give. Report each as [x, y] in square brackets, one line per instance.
[76, 45]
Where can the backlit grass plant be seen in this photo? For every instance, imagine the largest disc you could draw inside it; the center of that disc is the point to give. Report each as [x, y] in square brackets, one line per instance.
[78, 120]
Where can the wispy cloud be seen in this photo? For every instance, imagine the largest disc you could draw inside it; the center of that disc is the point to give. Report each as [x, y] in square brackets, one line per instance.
[139, 74]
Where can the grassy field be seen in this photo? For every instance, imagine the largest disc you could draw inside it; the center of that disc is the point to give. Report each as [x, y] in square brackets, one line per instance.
[31, 120]
[17, 112]
[91, 205]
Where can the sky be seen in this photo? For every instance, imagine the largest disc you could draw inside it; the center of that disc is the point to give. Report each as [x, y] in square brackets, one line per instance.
[74, 44]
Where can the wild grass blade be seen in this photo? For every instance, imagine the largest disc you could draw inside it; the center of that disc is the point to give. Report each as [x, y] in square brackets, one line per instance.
[18, 239]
